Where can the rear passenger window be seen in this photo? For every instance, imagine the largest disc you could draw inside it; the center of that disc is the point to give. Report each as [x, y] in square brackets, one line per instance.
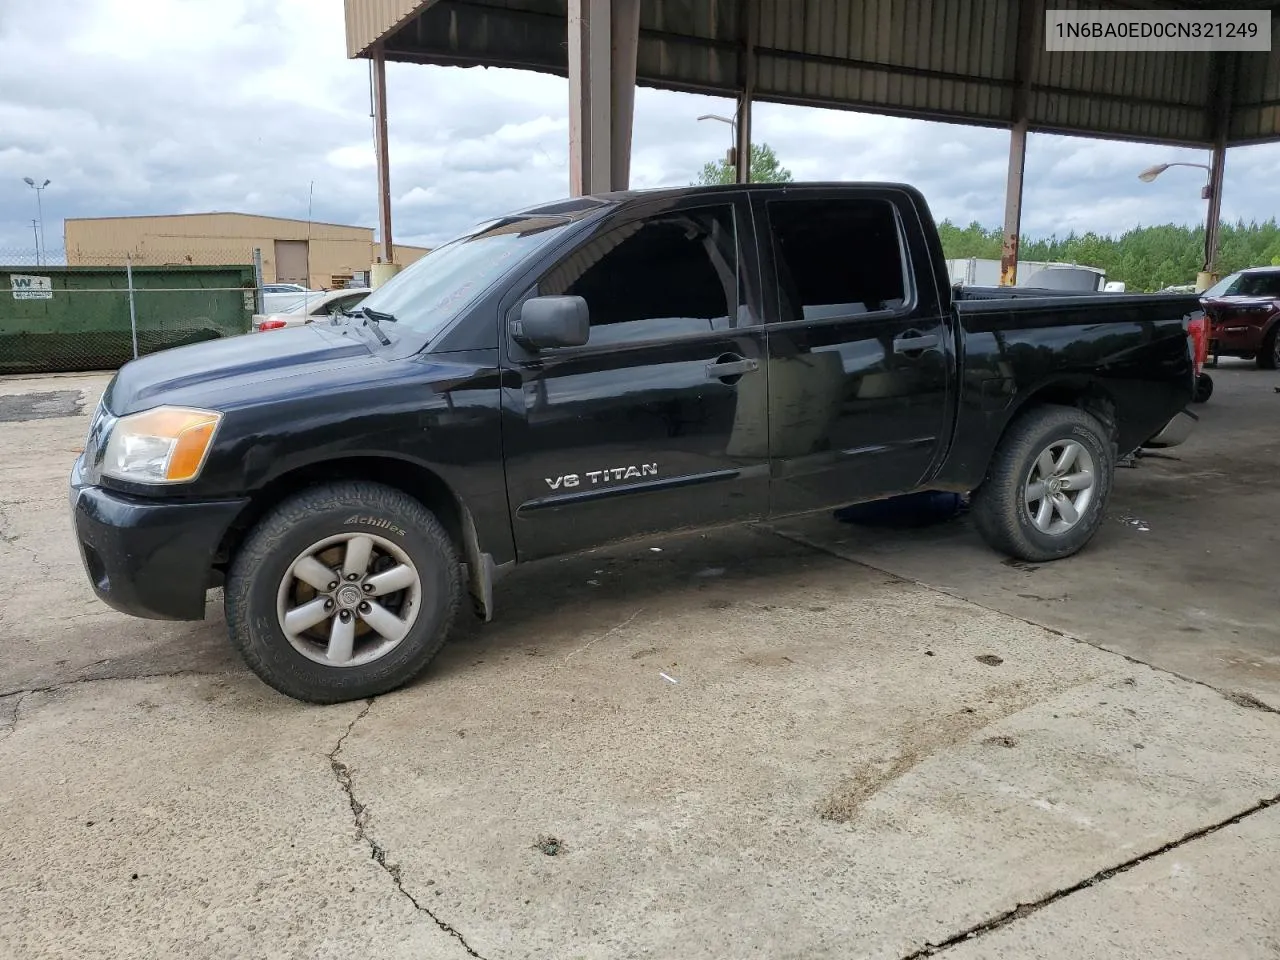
[652, 279]
[836, 258]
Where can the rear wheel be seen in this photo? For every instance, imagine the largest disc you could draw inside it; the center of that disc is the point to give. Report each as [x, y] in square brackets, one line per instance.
[342, 592]
[1269, 355]
[1047, 487]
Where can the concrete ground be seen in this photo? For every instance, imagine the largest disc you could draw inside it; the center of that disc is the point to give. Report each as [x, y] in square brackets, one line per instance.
[805, 740]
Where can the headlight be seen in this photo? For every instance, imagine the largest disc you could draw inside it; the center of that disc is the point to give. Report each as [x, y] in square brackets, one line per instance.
[164, 445]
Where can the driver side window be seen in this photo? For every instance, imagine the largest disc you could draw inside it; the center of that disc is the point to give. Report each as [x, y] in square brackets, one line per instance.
[671, 275]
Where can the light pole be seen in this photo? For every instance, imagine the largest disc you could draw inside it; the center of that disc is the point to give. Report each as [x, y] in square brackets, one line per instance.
[1210, 226]
[731, 157]
[38, 188]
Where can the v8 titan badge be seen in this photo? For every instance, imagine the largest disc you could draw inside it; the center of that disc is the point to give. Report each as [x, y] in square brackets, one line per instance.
[608, 475]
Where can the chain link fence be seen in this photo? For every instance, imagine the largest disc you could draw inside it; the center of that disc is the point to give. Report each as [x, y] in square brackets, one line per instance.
[64, 313]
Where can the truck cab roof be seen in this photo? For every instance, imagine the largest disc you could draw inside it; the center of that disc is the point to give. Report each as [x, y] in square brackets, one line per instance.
[576, 207]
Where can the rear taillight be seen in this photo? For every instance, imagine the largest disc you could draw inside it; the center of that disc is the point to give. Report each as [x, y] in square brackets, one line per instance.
[1198, 340]
[271, 325]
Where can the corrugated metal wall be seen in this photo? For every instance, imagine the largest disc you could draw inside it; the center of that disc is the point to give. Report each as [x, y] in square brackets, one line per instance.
[943, 59]
[368, 20]
[914, 57]
[1160, 96]
[1256, 116]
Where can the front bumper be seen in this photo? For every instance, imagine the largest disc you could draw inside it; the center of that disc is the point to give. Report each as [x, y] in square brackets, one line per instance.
[1235, 338]
[1176, 431]
[148, 558]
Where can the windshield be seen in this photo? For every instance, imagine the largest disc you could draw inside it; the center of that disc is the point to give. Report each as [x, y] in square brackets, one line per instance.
[432, 292]
[1247, 285]
[336, 304]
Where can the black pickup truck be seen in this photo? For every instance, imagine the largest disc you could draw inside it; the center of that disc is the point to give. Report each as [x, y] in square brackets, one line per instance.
[595, 370]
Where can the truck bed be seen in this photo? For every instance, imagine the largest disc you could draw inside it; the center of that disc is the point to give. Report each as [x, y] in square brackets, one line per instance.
[1128, 352]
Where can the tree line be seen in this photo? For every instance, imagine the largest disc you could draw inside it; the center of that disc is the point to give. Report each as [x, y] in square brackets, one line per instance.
[1145, 258]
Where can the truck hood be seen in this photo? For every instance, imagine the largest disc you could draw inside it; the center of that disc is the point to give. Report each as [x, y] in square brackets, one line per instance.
[1226, 304]
[220, 372]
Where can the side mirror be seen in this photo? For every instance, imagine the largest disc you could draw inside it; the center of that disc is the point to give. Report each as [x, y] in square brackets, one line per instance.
[552, 322]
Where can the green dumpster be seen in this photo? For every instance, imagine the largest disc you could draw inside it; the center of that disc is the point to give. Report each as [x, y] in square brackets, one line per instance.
[77, 318]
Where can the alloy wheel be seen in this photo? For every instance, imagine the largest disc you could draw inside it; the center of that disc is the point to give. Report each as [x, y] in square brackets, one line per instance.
[1059, 487]
[349, 599]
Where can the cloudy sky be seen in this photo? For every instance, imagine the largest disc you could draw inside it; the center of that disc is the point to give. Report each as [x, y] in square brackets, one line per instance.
[171, 106]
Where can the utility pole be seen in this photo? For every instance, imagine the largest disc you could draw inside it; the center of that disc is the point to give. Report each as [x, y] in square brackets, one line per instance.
[38, 188]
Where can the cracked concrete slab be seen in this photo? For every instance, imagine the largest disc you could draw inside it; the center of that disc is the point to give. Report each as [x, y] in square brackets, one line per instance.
[9, 709]
[189, 817]
[836, 771]
[21, 407]
[698, 746]
[55, 628]
[360, 818]
[1212, 897]
[1192, 593]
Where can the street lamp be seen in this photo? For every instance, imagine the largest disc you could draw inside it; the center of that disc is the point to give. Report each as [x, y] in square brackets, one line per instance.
[38, 188]
[731, 158]
[1149, 174]
[1206, 193]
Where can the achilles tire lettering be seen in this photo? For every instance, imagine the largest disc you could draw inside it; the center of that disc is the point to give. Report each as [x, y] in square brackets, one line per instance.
[375, 522]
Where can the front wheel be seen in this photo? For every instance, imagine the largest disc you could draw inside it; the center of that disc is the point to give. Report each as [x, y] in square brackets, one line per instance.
[342, 592]
[1047, 487]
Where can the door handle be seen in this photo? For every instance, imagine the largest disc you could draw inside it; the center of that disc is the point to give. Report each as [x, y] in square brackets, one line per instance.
[915, 342]
[731, 368]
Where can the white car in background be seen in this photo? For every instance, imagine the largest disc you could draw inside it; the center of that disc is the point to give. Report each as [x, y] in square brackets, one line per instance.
[307, 308]
[286, 301]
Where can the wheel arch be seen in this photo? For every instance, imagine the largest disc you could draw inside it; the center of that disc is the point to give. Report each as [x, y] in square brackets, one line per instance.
[1088, 394]
[1085, 393]
[410, 477]
[1272, 326]
[979, 432]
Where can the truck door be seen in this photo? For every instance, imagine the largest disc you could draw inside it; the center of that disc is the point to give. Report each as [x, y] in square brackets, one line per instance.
[860, 351]
[658, 421]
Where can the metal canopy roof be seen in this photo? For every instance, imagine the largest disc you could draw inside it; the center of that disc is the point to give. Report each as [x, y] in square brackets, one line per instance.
[957, 60]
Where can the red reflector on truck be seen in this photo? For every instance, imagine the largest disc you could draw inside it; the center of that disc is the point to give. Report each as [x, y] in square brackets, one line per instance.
[1198, 334]
[271, 325]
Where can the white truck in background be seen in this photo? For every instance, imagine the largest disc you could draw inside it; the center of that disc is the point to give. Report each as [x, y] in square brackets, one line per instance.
[980, 272]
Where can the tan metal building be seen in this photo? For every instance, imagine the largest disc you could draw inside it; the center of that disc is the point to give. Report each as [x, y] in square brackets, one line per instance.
[320, 255]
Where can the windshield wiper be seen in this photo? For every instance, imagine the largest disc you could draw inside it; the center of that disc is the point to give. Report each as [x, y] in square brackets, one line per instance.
[372, 319]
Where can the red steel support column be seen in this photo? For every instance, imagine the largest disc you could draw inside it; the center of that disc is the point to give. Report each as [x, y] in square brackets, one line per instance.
[1013, 204]
[1212, 221]
[1030, 19]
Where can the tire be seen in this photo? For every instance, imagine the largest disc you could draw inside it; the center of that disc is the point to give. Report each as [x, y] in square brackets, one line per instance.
[1204, 389]
[1269, 356]
[410, 573]
[1000, 507]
